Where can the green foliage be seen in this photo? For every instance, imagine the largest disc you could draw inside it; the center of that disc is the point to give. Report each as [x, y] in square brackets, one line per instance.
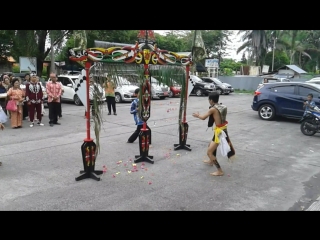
[280, 59]
[16, 69]
[32, 43]
[5, 43]
[44, 72]
[231, 64]
[227, 72]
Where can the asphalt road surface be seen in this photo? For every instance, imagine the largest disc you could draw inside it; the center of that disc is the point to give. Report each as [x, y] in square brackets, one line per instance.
[276, 167]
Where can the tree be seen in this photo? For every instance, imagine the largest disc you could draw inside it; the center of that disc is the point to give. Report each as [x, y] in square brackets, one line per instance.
[230, 64]
[256, 42]
[243, 58]
[5, 45]
[280, 59]
[297, 44]
[32, 43]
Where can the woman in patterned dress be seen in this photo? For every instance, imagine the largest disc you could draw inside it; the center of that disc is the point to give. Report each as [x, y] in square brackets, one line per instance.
[15, 93]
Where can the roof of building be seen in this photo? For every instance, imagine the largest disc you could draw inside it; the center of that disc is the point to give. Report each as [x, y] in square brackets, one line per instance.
[294, 68]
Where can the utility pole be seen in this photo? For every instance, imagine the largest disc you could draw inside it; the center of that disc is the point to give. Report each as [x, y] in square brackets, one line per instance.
[274, 46]
[52, 55]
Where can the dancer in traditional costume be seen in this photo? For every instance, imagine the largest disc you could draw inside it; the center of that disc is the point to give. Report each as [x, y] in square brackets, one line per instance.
[217, 113]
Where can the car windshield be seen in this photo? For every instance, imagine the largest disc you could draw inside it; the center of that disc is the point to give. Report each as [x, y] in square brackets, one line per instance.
[174, 83]
[217, 80]
[153, 80]
[197, 79]
[123, 81]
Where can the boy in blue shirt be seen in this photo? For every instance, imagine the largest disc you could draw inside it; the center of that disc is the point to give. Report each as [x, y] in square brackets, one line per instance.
[139, 122]
[309, 104]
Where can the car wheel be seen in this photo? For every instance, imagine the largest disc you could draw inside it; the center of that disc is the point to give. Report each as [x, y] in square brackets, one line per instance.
[171, 94]
[118, 98]
[199, 92]
[267, 112]
[77, 100]
[219, 91]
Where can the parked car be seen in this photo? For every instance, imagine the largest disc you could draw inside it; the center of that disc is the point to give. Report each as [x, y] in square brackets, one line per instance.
[221, 87]
[200, 87]
[125, 90]
[175, 90]
[283, 99]
[20, 75]
[314, 80]
[158, 91]
[272, 80]
[283, 76]
[69, 85]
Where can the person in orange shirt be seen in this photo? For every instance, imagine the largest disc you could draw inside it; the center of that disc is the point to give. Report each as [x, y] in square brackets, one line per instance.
[54, 91]
[110, 86]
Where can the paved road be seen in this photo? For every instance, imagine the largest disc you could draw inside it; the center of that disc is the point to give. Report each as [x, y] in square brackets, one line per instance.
[276, 167]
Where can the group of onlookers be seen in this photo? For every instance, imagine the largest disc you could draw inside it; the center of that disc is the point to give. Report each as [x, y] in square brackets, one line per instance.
[28, 97]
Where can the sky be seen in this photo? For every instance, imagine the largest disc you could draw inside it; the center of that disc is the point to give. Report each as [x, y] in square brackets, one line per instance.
[232, 46]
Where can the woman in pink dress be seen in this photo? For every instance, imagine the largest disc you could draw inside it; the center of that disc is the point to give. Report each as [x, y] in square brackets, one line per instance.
[15, 93]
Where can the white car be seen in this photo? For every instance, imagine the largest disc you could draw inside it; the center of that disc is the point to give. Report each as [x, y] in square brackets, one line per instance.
[157, 91]
[69, 85]
[125, 90]
[314, 80]
[271, 80]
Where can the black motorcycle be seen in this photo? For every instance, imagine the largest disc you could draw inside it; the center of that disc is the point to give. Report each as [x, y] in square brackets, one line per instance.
[310, 123]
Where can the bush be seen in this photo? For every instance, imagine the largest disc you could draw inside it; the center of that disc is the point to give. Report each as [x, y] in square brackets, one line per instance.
[227, 72]
[16, 69]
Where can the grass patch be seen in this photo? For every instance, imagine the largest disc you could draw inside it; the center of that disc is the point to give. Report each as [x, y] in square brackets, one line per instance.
[244, 91]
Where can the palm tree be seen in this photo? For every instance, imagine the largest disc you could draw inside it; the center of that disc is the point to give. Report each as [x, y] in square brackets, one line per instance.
[295, 42]
[256, 42]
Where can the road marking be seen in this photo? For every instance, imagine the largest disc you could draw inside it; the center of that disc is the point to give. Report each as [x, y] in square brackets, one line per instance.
[315, 206]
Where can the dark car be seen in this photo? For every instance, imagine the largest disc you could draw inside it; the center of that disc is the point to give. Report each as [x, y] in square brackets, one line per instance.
[221, 87]
[200, 87]
[284, 99]
[20, 75]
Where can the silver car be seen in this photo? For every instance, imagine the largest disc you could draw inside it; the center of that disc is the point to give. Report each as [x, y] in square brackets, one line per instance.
[159, 91]
[125, 90]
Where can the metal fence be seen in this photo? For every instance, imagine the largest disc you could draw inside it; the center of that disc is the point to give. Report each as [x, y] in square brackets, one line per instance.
[248, 83]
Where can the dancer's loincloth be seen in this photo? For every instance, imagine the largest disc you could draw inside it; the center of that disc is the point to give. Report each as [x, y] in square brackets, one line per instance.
[217, 131]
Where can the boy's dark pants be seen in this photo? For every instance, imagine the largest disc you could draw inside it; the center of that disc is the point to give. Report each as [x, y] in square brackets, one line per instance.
[136, 133]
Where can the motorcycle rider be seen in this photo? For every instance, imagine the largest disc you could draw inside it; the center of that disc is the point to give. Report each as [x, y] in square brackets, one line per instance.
[309, 104]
